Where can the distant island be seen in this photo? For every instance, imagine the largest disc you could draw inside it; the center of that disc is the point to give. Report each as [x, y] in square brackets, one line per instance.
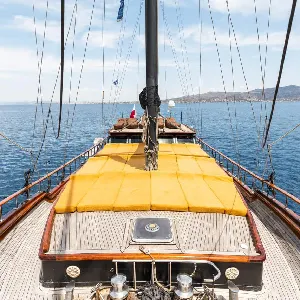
[285, 93]
[288, 93]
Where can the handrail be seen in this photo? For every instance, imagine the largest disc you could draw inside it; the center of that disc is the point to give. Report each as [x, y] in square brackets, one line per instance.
[89, 152]
[263, 182]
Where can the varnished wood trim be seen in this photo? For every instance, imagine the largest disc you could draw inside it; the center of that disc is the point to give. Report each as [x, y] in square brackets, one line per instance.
[56, 190]
[8, 223]
[45, 244]
[141, 256]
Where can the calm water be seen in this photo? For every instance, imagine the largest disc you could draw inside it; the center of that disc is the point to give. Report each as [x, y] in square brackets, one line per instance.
[231, 129]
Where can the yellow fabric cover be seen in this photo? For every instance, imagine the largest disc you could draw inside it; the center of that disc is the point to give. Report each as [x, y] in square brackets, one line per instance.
[166, 192]
[135, 163]
[199, 196]
[167, 163]
[210, 167]
[186, 179]
[226, 191]
[108, 149]
[103, 193]
[196, 150]
[188, 164]
[134, 193]
[166, 149]
[74, 191]
[115, 163]
[180, 149]
[93, 166]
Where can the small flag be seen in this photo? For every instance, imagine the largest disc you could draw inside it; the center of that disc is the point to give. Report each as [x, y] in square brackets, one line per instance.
[121, 10]
[133, 112]
[116, 82]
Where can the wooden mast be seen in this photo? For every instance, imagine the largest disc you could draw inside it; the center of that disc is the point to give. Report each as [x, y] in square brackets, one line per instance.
[152, 106]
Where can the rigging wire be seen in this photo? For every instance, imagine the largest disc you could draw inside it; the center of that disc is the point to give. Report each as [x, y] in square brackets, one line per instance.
[103, 57]
[138, 73]
[243, 71]
[118, 61]
[15, 143]
[200, 64]
[39, 64]
[266, 55]
[127, 59]
[185, 47]
[233, 86]
[223, 80]
[71, 78]
[284, 135]
[290, 24]
[52, 97]
[182, 41]
[82, 66]
[62, 61]
[178, 68]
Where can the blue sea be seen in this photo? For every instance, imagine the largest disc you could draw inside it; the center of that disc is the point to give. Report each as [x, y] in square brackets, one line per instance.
[235, 129]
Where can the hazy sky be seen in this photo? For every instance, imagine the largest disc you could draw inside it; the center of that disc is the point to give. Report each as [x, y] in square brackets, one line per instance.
[179, 47]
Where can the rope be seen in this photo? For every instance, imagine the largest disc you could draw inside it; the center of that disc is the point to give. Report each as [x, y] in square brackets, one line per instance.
[284, 135]
[290, 24]
[15, 143]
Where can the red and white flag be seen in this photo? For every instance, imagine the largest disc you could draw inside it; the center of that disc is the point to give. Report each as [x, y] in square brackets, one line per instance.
[133, 112]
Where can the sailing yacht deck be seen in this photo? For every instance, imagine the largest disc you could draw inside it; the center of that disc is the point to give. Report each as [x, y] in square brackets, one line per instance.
[20, 265]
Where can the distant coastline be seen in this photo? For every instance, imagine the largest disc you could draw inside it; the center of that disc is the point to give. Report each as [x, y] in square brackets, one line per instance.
[289, 93]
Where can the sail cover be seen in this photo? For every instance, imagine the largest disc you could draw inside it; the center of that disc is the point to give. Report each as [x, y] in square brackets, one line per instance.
[121, 10]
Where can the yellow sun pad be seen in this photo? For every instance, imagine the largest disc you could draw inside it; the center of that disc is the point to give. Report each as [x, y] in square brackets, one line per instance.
[186, 180]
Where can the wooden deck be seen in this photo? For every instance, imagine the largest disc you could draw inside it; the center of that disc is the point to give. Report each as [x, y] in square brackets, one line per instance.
[20, 265]
[103, 232]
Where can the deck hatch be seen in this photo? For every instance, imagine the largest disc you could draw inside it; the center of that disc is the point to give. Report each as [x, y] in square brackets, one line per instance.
[152, 230]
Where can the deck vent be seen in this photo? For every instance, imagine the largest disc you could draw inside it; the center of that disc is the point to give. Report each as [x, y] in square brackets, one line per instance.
[152, 230]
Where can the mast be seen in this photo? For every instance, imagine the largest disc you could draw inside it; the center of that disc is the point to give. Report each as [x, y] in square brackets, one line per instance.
[152, 102]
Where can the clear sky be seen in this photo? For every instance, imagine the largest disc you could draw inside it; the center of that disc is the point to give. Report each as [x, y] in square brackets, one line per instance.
[179, 48]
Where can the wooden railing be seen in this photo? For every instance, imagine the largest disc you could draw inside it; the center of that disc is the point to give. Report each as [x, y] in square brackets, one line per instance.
[45, 183]
[251, 180]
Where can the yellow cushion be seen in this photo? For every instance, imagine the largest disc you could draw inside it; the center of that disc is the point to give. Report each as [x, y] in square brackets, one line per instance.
[196, 150]
[199, 196]
[93, 166]
[166, 192]
[74, 191]
[135, 163]
[188, 164]
[180, 149]
[134, 193]
[210, 167]
[115, 163]
[167, 163]
[226, 191]
[165, 149]
[103, 193]
[108, 149]
[138, 149]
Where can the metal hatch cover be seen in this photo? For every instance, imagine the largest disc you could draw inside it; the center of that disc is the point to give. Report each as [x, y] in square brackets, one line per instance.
[152, 230]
